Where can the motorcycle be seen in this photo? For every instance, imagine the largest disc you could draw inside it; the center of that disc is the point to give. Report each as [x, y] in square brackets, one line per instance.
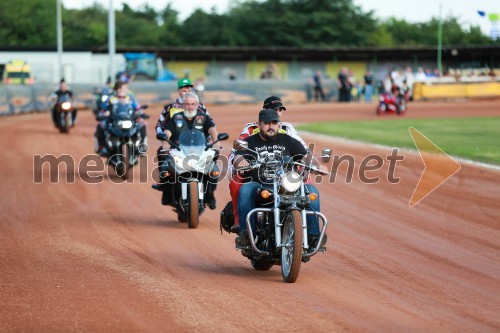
[124, 141]
[102, 99]
[280, 230]
[393, 103]
[189, 166]
[64, 113]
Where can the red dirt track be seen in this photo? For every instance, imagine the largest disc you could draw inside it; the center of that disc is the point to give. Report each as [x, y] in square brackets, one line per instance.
[109, 257]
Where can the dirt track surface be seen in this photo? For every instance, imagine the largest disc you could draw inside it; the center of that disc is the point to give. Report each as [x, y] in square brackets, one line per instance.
[109, 258]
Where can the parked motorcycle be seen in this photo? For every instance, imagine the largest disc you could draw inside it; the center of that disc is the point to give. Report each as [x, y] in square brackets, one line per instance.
[124, 141]
[188, 167]
[64, 113]
[393, 103]
[280, 233]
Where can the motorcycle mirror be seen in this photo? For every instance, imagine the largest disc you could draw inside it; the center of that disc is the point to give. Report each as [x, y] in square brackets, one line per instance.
[326, 154]
[222, 136]
[161, 136]
[240, 145]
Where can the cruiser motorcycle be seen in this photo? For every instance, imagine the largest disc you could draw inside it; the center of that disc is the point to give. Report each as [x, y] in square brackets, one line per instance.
[190, 168]
[125, 141]
[280, 233]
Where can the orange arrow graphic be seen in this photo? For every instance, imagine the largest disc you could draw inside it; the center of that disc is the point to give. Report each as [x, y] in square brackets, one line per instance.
[439, 167]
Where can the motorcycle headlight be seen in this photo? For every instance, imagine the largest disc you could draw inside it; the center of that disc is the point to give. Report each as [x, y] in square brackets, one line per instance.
[104, 98]
[178, 160]
[291, 181]
[66, 105]
[193, 163]
[126, 124]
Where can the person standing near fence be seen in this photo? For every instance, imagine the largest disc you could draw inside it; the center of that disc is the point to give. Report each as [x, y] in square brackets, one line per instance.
[368, 86]
[318, 87]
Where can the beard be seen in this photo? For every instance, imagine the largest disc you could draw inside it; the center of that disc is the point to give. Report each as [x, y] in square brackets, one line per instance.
[190, 114]
[269, 135]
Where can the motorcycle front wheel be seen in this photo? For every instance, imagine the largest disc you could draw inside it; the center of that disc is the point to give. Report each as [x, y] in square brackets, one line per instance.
[193, 214]
[64, 124]
[291, 251]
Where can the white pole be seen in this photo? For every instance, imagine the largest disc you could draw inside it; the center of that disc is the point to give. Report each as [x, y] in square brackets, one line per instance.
[440, 40]
[59, 41]
[111, 39]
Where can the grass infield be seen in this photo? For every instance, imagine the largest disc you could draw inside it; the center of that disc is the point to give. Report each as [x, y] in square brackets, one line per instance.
[476, 139]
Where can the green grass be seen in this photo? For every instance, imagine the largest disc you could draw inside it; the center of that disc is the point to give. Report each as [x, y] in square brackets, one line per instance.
[477, 139]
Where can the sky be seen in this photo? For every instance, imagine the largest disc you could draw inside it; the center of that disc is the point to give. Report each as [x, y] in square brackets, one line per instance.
[410, 10]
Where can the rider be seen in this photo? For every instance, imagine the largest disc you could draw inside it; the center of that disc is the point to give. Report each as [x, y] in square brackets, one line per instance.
[235, 182]
[184, 86]
[125, 76]
[56, 95]
[190, 118]
[120, 95]
[106, 90]
[271, 140]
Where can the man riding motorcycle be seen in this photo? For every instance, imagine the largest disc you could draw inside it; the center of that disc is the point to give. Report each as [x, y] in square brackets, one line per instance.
[235, 182]
[184, 86]
[269, 139]
[191, 118]
[120, 95]
[56, 96]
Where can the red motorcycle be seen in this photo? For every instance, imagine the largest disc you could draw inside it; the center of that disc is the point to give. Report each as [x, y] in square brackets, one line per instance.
[395, 102]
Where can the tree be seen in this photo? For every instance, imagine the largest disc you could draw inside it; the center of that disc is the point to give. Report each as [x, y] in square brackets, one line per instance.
[28, 22]
[298, 23]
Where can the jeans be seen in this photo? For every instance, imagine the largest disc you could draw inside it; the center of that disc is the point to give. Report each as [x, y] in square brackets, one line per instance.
[246, 202]
[368, 92]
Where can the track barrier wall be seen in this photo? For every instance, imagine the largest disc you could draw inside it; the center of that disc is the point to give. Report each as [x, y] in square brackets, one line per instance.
[461, 90]
[15, 99]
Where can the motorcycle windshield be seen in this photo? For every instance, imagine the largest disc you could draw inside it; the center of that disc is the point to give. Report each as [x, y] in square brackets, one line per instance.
[192, 142]
[122, 111]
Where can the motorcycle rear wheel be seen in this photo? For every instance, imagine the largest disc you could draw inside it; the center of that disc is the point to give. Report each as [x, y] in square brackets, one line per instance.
[291, 252]
[193, 213]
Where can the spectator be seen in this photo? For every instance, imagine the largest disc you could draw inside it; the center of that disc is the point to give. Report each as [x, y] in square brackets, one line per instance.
[420, 75]
[410, 80]
[388, 84]
[368, 86]
[318, 88]
[344, 85]
[356, 92]
[232, 75]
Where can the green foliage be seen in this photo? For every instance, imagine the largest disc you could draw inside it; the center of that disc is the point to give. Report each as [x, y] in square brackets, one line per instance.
[88, 26]
[425, 33]
[28, 22]
[298, 23]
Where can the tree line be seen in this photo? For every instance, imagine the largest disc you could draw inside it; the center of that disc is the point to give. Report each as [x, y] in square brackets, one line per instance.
[293, 23]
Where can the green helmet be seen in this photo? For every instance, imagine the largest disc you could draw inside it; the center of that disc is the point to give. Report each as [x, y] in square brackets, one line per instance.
[184, 82]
